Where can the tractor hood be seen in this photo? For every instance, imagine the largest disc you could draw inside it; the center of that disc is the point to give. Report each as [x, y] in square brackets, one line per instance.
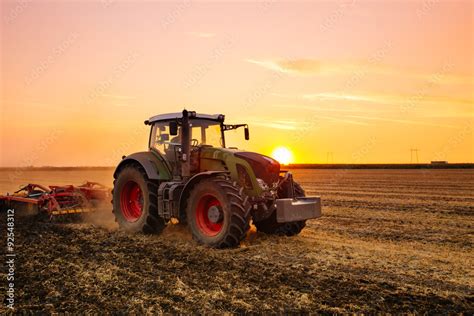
[264, 167]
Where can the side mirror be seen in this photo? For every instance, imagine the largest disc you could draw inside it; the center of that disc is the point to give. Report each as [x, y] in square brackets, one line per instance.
[247, 133]
[173, 128]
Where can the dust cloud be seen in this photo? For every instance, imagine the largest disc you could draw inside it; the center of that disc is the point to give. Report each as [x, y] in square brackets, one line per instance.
[101, 216]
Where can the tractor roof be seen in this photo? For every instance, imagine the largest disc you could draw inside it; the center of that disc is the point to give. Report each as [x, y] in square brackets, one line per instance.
[178, 115]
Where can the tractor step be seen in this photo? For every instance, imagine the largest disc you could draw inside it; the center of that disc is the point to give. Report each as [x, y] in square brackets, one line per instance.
[168, 199]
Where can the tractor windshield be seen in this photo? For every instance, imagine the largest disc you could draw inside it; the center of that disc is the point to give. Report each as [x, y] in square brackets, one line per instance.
[206, 132]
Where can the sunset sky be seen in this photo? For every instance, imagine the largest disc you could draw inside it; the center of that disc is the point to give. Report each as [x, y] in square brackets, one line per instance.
[365, 81]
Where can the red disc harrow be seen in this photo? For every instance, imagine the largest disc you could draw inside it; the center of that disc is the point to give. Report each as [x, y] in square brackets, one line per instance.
[57, 200]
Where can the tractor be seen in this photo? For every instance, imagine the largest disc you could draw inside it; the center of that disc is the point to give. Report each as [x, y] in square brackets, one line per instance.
[190, 176]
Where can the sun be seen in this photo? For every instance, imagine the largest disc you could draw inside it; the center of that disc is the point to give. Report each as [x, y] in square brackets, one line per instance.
[283, 155]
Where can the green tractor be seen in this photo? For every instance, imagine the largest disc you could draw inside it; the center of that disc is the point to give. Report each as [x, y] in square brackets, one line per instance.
[188, 174]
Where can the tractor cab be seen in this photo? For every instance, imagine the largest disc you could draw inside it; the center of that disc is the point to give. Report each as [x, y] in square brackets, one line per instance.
[170, 139]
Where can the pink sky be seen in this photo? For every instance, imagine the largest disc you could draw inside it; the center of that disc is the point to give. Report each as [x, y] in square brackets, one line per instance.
[364, 80]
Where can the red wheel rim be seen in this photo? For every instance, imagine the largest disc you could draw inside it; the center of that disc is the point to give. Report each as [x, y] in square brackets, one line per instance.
[131, 201]
[207, 205]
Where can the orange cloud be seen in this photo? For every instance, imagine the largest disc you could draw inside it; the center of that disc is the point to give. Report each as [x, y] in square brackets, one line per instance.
[399, 99]
[312, 67]
[301, 65]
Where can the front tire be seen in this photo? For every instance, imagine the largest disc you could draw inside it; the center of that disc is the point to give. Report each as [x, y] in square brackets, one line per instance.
[135, 201]
[270, 224]
[218, 212]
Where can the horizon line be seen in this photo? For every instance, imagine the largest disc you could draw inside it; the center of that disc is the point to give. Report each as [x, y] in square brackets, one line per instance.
[434, 163]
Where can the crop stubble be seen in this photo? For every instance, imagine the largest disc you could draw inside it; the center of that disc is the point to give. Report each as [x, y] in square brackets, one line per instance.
[390, 240]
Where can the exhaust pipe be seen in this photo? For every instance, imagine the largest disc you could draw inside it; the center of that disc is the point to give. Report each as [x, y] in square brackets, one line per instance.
[185, 145]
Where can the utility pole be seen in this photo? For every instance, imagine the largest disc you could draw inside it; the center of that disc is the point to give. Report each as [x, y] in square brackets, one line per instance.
[414, 154]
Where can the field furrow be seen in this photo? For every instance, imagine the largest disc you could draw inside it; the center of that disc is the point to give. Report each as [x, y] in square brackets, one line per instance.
[389, 240]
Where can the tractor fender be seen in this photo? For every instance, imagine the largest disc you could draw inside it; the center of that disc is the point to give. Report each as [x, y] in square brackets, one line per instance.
[195, 179]
[154, 167]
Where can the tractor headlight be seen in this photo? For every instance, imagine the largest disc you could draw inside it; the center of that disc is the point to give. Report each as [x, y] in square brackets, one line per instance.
[262, 184]
[244, 177]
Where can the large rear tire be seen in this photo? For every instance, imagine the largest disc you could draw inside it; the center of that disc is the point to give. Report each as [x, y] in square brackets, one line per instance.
[218, 213]
[270, 224]
[135, 202]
